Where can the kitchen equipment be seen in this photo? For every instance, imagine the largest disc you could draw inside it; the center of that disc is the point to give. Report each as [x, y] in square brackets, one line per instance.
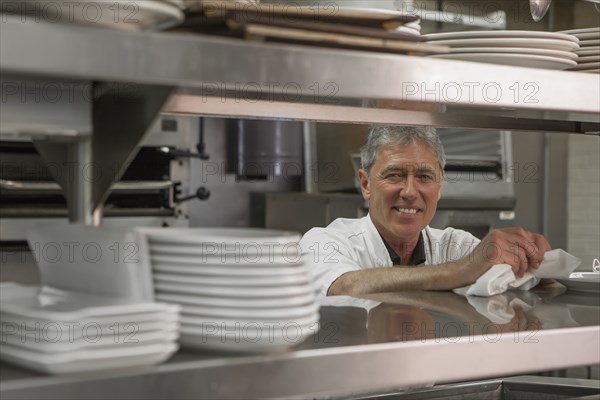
[145, 195]
[539, 8]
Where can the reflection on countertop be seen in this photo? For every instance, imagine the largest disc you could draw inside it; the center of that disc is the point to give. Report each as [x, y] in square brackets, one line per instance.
[437, 316]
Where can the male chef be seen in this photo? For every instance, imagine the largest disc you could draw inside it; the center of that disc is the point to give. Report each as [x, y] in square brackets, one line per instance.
[393, 248]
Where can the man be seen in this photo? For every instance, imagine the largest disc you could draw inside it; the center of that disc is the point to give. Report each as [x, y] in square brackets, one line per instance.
[393, 248]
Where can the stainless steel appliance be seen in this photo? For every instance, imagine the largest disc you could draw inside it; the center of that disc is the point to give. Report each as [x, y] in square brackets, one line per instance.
[148, 194]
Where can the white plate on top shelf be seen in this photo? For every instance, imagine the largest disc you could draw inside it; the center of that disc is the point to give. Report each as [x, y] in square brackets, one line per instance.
[589, 43]
[587, 36]
[88, 360]
[551, 44]
[588, 282]
[569, 55]
[519, 60]
[588, 51]
[586, 66]
[129, 15]
[49, 304]
[588, 59]
[501, 34]
[249, 304]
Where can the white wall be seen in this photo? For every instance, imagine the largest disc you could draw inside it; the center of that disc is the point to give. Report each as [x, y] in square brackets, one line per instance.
[583, 199]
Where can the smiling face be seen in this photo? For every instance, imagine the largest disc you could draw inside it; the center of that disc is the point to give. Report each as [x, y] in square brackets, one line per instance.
[403, 189]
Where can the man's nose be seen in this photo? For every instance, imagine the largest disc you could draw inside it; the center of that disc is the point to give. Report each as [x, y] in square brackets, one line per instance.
[408, 189]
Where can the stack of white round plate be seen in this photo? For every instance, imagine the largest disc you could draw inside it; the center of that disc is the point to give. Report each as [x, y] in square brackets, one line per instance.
[240, 289]
[131, 15]
[547, 50]
[589, 49]
[60, 332]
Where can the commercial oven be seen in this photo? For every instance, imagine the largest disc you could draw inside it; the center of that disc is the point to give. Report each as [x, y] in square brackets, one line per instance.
[148, 193]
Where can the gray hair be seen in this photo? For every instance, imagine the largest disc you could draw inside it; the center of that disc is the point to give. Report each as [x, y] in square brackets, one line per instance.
[383, 135]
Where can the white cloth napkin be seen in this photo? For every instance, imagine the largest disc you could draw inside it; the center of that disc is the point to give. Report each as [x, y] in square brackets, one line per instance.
[557, 264]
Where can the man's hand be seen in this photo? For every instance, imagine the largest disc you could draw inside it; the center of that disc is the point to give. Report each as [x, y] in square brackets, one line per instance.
[513, 246]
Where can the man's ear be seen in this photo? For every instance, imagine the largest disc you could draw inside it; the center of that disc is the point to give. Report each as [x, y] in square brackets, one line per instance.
[363, 178]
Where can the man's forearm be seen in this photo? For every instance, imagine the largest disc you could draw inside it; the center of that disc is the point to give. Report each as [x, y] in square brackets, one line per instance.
[392, 279]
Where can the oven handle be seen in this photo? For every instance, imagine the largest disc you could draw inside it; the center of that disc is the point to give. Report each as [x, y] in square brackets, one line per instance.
[53, 187]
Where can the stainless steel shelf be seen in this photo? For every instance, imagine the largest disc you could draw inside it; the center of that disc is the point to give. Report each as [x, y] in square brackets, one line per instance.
[250, 75]
[443, 339]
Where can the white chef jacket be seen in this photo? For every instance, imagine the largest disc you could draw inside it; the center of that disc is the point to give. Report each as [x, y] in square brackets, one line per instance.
[349, 244]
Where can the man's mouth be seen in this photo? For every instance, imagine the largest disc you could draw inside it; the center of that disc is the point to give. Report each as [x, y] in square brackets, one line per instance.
[406, 210]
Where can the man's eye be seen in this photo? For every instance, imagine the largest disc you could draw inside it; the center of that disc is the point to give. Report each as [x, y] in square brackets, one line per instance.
[393, 176]
[427, 178]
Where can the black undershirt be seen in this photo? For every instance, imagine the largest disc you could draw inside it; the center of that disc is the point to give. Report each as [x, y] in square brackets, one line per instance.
[416, 258]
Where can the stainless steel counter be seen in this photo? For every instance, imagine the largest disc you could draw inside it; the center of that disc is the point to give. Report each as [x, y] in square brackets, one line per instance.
[380, 344]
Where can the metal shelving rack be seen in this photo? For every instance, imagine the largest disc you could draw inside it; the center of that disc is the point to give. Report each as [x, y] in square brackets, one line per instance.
[87, 95]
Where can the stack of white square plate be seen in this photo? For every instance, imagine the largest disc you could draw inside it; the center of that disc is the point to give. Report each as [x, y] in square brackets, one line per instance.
[242, 290]
[589, 49]
[547, 50]
[59, 332]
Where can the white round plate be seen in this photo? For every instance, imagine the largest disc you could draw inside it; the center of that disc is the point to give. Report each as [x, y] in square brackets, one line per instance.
[551, 44]
[519, 60]
[130, 15]
[588, 51]
[589, 43]
[223, 260]
[588, 59]
[250, 341]
[247, 281]
[237, 272]
[248, 322]
[569, 55]
[242, 303]
[587, 36]
[232, 292]
[236, 313]
[581, 30]
[588, 282]
[199, 236]
[591, 71]
[500, 34]
[586, 66]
